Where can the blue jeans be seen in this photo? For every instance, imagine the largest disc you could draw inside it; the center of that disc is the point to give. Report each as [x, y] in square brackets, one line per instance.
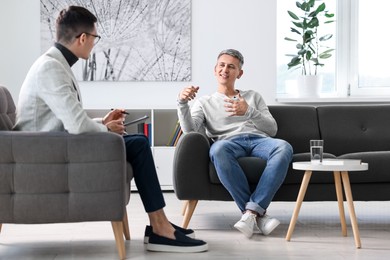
[278, 154]
[139, 155]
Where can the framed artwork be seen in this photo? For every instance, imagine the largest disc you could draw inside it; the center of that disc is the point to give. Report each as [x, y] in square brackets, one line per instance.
[141, 40]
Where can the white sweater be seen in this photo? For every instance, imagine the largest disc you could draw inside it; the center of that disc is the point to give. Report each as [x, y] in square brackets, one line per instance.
[208, 116]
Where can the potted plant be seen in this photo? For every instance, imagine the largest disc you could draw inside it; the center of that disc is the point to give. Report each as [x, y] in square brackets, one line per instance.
[309, 42]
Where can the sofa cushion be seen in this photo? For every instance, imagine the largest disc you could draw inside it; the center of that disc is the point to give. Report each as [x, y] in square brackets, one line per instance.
[354, 128]
[297, 125]
[378, 167]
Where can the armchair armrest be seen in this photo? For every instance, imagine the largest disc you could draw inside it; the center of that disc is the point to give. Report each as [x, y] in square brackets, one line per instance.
[191, 166]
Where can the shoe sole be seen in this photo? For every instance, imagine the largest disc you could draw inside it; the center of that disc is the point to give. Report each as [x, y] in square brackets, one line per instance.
[146, 238]
[177, 249]
[248, 232]
[270, 227]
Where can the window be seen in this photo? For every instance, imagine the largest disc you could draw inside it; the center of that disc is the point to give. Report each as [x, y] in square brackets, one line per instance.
[358, 66]
[370, 70]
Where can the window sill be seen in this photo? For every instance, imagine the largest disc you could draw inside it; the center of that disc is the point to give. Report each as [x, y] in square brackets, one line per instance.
[326, 98]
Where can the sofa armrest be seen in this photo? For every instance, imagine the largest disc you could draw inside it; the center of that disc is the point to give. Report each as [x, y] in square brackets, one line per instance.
[191, 166]
[53, 177]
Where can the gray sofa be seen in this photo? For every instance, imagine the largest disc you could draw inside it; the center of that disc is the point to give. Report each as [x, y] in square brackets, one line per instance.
[349, 132]
[56, 177]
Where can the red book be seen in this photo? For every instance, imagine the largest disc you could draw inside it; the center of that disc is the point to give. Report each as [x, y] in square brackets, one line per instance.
[146, 130]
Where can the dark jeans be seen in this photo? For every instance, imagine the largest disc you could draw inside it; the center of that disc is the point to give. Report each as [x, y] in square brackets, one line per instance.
[139, 155]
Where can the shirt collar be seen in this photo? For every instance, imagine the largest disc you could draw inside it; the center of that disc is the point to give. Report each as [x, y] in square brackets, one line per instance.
[69, 56]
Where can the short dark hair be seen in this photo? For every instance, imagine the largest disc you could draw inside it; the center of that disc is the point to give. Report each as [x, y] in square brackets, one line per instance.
[234, 53]
[73, 21]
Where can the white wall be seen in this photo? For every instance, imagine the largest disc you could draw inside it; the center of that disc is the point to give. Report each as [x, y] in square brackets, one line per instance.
[246, 25]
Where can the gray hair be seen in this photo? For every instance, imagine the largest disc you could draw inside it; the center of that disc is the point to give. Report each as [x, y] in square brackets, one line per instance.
[234, 53]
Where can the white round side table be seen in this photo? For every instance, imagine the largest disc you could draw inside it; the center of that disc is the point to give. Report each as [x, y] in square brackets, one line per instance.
[340, 169]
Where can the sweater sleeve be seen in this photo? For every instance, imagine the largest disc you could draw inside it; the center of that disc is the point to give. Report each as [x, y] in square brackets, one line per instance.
[191, 120]
[261, 117]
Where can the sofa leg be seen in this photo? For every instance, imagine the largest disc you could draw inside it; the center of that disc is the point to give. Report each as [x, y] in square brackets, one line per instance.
[191, 205]
[125, 224]
[117, 227]
[185, 206]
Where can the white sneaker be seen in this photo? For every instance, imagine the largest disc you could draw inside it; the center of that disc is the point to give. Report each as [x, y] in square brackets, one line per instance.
[267, 224]
[247, 224]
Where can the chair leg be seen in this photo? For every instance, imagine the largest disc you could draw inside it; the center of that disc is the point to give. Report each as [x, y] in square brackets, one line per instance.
[0, 227]
[117, 227]
[185, 206]
[125, 223]
[191, 205]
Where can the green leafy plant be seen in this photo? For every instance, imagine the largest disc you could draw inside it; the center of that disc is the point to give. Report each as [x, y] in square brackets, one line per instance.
[310, 45]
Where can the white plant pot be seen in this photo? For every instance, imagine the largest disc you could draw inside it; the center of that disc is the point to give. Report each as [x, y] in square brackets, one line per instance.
[309, 85]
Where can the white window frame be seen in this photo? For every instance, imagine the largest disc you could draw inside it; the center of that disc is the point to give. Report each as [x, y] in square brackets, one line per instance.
[343, 44]
[353, 88]
[347, 70]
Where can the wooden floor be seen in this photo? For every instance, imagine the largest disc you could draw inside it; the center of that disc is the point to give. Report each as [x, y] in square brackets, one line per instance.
[317, 234]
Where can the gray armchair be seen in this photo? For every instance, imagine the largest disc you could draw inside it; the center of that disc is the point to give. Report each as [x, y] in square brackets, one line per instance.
[56, 177]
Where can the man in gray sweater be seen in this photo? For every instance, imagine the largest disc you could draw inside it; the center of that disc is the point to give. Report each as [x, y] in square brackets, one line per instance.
[240, 125]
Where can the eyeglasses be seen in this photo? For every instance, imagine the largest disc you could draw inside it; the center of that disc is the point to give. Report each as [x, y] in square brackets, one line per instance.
[97, 37]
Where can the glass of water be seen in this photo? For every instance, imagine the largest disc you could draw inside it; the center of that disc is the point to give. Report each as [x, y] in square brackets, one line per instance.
[316, 151]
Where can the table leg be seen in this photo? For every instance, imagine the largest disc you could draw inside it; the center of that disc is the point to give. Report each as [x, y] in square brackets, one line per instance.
[351, 208]
[340, 200]
[301, 195]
